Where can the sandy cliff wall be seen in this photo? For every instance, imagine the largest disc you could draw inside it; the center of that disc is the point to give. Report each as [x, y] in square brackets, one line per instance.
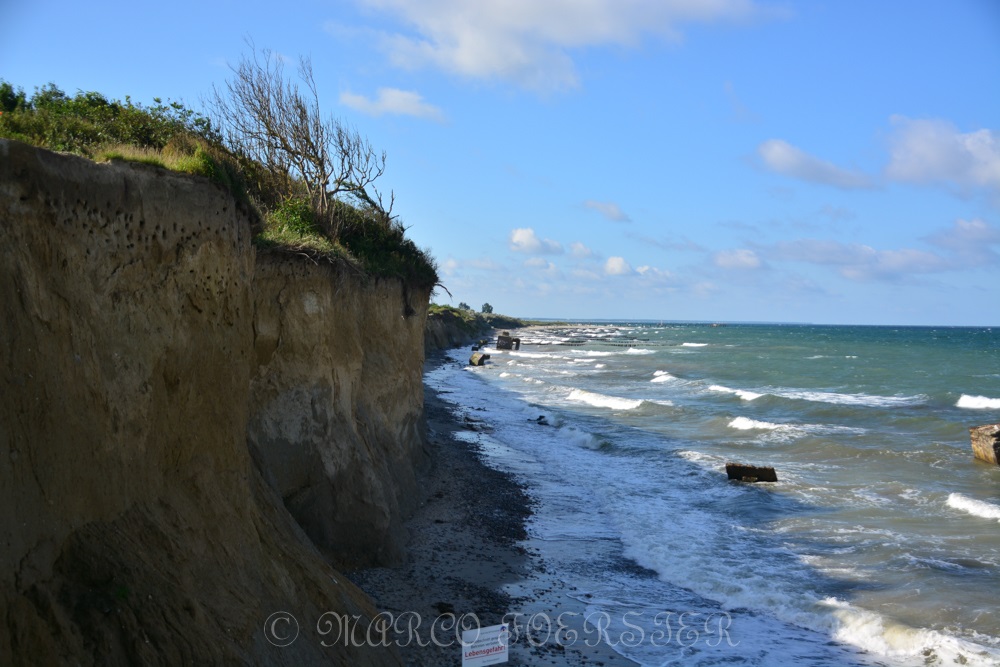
[337, 402]
[135, 527]
[445, 329]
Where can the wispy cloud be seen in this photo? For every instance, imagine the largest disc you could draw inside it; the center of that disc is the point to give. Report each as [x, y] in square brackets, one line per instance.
[784, 158]
[836, 213]
[893, 265]
[393, 101]
[653, 276]
[609, 210]
[966, 244]
[529, 42]
[741, 259]
[451, 266]
[740, 112]
[542, 265]
[667, 243]
[934, 151]
[973, 243]
[580, 251]
[526, 241]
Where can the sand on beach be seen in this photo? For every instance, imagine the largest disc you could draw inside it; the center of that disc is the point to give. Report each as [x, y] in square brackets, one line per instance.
[471, 562]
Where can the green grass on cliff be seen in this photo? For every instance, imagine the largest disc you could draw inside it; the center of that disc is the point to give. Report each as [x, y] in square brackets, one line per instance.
[472, 322]
[171, 136]
[466, 320]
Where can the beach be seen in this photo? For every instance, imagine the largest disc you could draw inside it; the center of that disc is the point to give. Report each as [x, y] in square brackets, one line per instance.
[470, 559]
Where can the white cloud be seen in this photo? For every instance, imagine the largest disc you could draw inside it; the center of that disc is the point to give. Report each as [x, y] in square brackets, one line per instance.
[530, 42]
[740, 258]
[617, 266]
[580, 251]
[541, 264]
[930, 151]
[654, 277]
[524, 240]
[609, 210]
[782, 157]
[393, 101]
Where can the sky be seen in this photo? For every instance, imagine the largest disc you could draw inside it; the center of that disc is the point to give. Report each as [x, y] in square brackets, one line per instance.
[825, 161]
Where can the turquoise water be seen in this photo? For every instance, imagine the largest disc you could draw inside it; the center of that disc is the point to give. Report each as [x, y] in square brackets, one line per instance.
[880, 543]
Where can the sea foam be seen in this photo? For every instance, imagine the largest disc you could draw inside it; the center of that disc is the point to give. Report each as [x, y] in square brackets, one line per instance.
[978, 402]
[877, 634]
[974, 507]
[851, 399]
[662, 376]
[742, 393]
[747, 424]
[603, 401]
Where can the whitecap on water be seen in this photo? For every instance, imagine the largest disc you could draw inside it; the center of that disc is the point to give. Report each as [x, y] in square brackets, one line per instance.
[974, 507]
[742, 393]
[747, 424]
[603, 401]
[851, 399]
[662, 376]
[978, 402]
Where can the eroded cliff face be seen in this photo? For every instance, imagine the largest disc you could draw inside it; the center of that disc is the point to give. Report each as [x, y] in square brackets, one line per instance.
[337, 402]
[138, 339]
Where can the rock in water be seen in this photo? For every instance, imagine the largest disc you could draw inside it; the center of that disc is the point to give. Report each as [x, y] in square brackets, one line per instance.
[986, 443]
[748, 473]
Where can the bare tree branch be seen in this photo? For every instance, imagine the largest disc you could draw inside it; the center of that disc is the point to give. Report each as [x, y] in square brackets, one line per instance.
[267, 119]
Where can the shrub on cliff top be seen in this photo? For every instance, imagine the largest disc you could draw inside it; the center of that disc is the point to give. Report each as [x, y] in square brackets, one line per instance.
[88, 120]
[296, 215]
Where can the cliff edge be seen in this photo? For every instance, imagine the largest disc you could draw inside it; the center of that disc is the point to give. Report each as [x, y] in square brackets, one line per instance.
[183, 425]
[449, 327]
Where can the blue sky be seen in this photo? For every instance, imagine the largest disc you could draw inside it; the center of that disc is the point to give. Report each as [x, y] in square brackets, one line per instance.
[829, 161]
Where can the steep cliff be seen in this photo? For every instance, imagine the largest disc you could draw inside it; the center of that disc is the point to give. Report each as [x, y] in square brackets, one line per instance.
[337, 402]
[142, 348]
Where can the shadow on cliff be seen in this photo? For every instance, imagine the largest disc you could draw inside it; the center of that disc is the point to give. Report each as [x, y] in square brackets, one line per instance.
[191, 436]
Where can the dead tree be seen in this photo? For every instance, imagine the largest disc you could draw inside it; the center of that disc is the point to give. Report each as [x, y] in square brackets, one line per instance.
[268, 120]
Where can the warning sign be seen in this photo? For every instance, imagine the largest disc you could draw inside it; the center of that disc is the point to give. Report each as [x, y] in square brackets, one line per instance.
[485, 646]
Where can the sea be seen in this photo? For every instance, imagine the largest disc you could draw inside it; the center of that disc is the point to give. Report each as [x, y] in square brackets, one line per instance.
[878, 545]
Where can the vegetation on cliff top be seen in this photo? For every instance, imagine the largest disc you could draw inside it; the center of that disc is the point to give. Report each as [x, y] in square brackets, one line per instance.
[471, 322]
[310, 180]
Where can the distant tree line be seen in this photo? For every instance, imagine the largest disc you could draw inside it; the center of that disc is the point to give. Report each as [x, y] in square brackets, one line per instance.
[487, 308]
